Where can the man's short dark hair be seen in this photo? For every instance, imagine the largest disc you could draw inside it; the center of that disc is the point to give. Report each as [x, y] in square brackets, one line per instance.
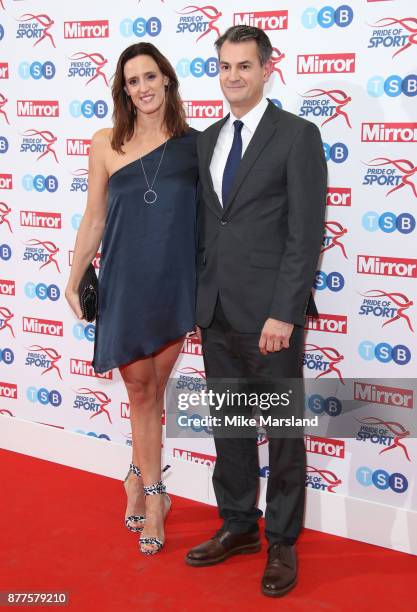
[242, 33]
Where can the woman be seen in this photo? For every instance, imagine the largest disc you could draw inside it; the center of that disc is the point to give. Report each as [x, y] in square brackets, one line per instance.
[142, 202]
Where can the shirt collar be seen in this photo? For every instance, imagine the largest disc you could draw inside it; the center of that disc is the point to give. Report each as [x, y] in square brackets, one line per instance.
[252, 118]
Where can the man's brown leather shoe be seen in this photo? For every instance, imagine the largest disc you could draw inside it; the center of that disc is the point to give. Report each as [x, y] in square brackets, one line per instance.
[222, 545]
[280, 574]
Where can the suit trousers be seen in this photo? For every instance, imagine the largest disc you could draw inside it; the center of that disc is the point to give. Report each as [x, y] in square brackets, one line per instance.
[229, 354]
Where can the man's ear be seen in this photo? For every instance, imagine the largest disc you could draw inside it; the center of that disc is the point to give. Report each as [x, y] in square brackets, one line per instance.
[268, 70]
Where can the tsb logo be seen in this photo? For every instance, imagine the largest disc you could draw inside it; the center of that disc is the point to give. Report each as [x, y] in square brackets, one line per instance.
[36, 70]
[88, 109]
[337, 153]
[381, 479]
[40, 183]
[198, 67]
[384, 352]
[327, 17]
[140, 27]
[392, 86]
[6, 356]
[334, 281]
[4, 144]
[43, 396]
[318, 404]
[84, 332]
[5, 252]
[42, 291]
[388, 222]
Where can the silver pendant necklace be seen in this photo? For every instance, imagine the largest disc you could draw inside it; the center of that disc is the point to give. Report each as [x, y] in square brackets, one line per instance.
[150, 196]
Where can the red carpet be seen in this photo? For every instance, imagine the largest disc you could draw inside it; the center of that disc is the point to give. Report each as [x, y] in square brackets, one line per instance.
[62, 530]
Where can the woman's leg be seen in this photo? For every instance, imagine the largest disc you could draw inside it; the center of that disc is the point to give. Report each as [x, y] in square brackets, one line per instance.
[145, 381]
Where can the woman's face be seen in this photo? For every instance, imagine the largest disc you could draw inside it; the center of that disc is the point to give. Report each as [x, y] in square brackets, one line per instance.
[145, 84]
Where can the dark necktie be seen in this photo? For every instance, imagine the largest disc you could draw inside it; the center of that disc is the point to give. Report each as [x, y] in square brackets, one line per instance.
[233, 161]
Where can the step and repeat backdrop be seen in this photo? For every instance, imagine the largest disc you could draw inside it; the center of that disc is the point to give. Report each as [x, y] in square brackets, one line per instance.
[349, 68]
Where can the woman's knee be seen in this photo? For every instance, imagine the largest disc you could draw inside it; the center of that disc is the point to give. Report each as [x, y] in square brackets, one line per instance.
[141, 392]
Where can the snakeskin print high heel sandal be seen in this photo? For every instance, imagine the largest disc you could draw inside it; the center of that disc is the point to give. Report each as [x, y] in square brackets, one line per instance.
[134, 522]
[158, 488]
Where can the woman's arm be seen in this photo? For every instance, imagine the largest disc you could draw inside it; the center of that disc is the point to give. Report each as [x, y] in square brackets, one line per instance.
[91, 228]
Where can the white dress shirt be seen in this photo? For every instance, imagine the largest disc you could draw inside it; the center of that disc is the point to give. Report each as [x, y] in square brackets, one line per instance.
[225, 140]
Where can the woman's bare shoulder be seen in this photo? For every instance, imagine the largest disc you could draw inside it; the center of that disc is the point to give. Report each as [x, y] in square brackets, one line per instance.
[102, 137]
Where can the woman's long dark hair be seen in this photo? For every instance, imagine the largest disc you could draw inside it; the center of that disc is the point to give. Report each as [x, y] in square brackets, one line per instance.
[124, 111]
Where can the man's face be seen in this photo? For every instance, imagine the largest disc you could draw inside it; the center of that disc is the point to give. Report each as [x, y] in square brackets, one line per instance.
[242, 77]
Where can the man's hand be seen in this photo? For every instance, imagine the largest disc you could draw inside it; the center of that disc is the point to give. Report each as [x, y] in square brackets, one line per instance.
[275, 335]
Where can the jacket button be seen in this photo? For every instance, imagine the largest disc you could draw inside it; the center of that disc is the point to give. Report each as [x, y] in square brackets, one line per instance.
[223, 221]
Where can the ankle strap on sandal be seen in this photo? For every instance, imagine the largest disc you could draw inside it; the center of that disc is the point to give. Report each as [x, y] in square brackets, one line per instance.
[157, 488]
[134, 468]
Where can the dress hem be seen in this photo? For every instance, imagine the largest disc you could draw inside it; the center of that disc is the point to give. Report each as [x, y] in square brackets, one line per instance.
[103, 370]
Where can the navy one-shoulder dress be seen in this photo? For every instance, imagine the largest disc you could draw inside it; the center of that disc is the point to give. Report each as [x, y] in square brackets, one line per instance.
[147, 269]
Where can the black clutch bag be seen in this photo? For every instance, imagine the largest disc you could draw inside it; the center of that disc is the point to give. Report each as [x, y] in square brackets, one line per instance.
[88, 294]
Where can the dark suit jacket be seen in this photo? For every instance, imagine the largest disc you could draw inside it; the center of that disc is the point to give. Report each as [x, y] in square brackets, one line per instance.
[260, 252]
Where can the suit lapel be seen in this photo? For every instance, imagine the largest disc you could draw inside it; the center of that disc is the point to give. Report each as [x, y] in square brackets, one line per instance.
[263, 134]
[209, 150]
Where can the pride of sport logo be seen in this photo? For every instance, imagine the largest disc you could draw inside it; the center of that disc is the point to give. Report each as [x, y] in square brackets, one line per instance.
[41, 251]
[389, 434]
[6, 316]
[393, 33]
[322, 479]
[5, 211]
[39, 141]
[86, 29]
[387, 307]
[332, 237]
[199, 20]
[393, 173]
[38, 108]
[35, 27]
[326, 63]
[3, 102]
[79, 182]
[389, 132]
[191, 379]
[323, 359]
[327, 104]
[265, 20]
[386, 266]
[44, 357]
[93, 401]
[87, 66]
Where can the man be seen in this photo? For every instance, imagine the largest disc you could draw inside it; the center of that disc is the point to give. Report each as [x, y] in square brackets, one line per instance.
[263, 186]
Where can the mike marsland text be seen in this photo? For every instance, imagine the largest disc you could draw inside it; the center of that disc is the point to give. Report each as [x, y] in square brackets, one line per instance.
[241, 421]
